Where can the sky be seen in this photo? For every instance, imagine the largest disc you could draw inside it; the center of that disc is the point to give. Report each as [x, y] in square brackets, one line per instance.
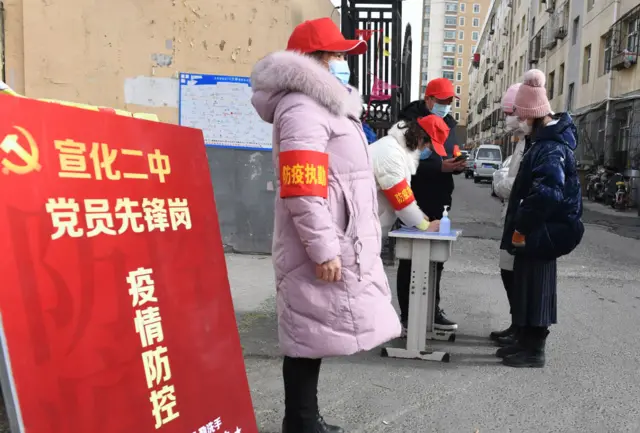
[411, 13]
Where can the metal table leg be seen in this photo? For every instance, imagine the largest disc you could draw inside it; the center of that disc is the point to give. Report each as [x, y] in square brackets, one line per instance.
[421, 308]
[432, 333]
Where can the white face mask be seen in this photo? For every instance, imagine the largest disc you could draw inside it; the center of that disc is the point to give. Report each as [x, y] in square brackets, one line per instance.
[512, 123]
[525, 128]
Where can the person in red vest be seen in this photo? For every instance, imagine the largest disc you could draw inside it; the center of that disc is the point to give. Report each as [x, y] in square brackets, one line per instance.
[432, 184]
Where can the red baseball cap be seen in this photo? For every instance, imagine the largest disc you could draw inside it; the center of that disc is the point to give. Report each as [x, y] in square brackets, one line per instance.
[323, 35]
[438, 132]
[440, 88]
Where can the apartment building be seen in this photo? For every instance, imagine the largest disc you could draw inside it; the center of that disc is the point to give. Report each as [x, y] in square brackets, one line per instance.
[450, 34]
[588, 50]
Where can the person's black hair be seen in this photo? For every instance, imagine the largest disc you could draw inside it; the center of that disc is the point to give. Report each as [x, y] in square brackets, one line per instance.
[414, 135]
[538, 123]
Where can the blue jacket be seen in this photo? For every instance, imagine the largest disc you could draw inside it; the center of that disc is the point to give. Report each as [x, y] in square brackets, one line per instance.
[545, 204]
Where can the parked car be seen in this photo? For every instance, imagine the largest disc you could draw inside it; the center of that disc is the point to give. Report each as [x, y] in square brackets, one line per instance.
[487, 161]
[468, 169]
[500, 174]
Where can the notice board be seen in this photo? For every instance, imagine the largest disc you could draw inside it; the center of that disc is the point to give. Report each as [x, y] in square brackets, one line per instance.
[220, 106]
[116, 312]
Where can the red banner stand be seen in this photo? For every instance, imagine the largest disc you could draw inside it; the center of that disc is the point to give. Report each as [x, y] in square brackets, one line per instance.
[116, 309]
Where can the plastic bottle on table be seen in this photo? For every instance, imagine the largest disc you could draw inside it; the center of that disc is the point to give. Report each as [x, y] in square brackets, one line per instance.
[445, 223]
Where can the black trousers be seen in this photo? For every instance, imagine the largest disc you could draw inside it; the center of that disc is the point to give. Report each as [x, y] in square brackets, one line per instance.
[403, 286]
[508, 282]
[300, 394]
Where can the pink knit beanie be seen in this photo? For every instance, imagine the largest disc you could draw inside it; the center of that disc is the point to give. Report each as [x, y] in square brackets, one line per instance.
[509, 98]
[531, 100]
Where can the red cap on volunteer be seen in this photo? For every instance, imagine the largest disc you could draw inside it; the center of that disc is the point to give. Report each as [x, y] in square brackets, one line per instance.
[323, 35]
[437, 130]
[440, 88]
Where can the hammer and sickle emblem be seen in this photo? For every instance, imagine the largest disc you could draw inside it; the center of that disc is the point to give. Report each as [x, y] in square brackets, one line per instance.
[29, 158]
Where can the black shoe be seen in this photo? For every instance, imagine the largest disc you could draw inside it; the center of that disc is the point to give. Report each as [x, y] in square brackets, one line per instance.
[532, 355]
[509, 339]
[442, 323]
[497, 334]
[505, 352]
[323, 427]
[517, 346]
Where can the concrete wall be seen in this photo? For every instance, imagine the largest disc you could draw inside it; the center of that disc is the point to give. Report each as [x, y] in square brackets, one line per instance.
[126, 54]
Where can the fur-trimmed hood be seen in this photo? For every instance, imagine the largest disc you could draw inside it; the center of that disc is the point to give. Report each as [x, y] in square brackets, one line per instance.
[285, 72]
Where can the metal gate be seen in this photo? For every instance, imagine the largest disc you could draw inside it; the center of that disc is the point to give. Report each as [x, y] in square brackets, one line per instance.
[383, 73]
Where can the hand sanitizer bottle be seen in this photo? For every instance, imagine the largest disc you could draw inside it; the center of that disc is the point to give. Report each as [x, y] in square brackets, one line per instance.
[445, 223]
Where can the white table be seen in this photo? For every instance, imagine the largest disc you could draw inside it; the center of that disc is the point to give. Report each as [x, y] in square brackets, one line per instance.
[425, 250]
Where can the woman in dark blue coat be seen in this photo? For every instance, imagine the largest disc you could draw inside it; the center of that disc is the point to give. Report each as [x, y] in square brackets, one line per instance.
[543, 219]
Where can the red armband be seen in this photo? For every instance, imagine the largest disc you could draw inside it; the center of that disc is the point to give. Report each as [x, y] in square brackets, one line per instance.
[400, 195]
[303, 173]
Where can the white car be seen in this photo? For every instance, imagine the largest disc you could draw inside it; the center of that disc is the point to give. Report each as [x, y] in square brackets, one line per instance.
[487, 161]
[500, 174]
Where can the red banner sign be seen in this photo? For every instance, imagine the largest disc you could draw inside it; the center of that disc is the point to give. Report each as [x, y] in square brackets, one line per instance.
[115, 301]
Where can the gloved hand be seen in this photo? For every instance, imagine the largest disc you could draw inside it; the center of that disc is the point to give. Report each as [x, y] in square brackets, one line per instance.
[424, 224]
[517, 240]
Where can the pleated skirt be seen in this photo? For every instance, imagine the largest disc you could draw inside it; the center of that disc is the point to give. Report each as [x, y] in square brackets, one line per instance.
[534, 292]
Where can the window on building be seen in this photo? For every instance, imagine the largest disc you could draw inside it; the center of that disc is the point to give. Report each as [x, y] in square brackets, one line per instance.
[473, 49]
[460, 49]
[457, 103]
[633, 29]
[476, 8]
[561, 80]
[450, 21]
[475, 22]
[456, 116]
[425, 51]
[460, 62]
[550, 84]
[461, 35]
[425, 77]
[605, 44]
[461, 21]
[451, 7]
[590, 4]
[586, 64]
[448, 75]
[449, 48]
[575, 30]
[522, 26]
[458, 90]
[449, 34]
[463, 7]
[448, 61]
[458, 76]
[519, 3]
[475, 36]
[517, 33]
[515, 72]
[427, 9]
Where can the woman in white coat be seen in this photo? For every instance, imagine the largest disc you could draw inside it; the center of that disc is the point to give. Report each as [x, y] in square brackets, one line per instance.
[395, 159]
[503, 190]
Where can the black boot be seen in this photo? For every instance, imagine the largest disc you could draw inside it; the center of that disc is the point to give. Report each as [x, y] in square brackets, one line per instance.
[497, 334]
[532, 355]
[509, 339]
[442, 323]
[323, 427]
[518, 344]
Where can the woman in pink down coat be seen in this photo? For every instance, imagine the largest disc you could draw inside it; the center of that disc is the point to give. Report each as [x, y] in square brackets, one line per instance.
[333, 297]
